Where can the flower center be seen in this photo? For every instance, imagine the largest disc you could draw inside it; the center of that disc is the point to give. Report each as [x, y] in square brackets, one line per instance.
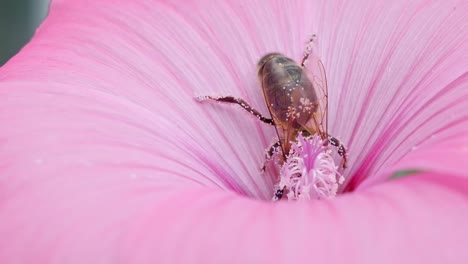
[309, 171]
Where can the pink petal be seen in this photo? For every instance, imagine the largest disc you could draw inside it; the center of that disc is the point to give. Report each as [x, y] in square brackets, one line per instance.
[415, 220]
[397, 223]
[105, 157]
[391, 90]
[443, 155]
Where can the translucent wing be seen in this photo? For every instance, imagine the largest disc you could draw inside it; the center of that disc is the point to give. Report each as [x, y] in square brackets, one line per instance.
[286, 133]
[319, 121]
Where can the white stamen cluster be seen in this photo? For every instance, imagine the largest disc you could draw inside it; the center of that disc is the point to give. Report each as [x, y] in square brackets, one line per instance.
[309, 171]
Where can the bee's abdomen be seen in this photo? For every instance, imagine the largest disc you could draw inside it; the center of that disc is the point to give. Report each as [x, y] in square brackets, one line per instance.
[284, 83]
[279, 79]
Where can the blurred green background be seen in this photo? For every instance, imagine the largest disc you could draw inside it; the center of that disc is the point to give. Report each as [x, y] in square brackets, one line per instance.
[18, 22]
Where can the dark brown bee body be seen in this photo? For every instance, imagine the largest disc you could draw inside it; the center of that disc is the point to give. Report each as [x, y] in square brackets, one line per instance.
[290, 96]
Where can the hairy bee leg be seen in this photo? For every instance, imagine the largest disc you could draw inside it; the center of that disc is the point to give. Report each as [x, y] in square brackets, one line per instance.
[270, 152]
[278, 194]
[308, 50]
[341, 150]
[242, 103]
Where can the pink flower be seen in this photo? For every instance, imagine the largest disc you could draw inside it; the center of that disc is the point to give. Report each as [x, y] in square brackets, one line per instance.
[106, 158]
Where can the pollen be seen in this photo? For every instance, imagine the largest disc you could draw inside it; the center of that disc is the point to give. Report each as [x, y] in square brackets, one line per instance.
[309, 171]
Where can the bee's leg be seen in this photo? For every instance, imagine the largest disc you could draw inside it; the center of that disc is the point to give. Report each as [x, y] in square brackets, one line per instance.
[308, 50]
[278, 194]
[270, 152]
[341, 150]
[242, 103]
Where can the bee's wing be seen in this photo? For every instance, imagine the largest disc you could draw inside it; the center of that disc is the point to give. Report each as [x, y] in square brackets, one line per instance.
[317, 75]
[286, 133]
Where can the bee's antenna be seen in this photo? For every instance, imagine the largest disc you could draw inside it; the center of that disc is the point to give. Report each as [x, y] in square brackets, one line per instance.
[308, 49]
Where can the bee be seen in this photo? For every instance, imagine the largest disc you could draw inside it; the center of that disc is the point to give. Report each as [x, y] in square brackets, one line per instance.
[297, 100]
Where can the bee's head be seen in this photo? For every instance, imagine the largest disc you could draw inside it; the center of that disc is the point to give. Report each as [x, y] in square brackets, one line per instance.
[266, 58]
